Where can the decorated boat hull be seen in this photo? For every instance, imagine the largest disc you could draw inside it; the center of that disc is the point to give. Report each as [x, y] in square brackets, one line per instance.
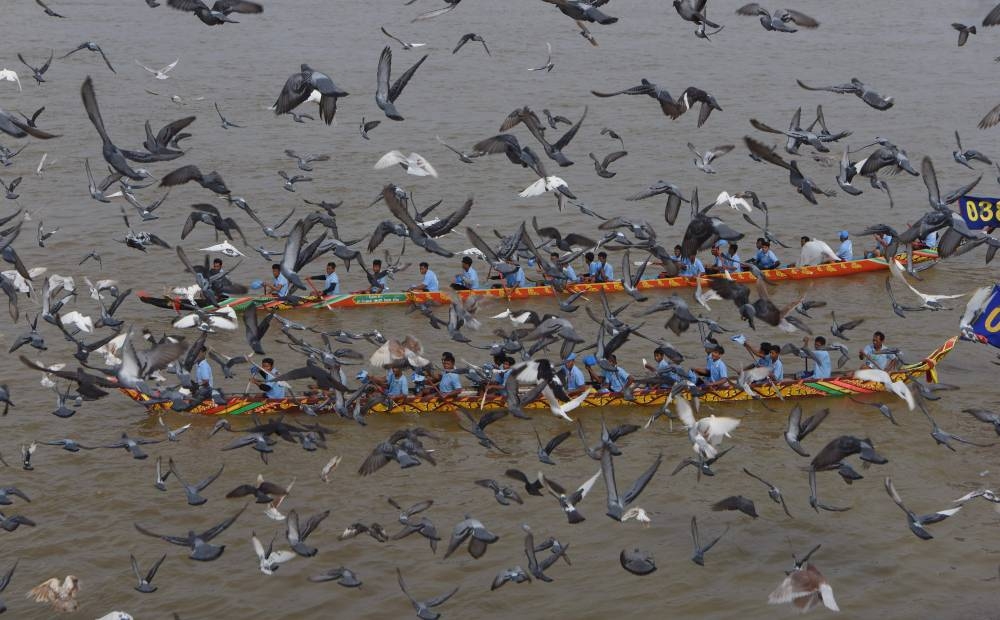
[846, 385]
[362, 300]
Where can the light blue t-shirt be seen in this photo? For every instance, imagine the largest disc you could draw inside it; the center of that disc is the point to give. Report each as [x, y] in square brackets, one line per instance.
[931, 240]
[616, 379]
[276, 390]
[574, 378]
[766, 260]
[469, 278]
[846, 250]
[203, 373]
[879, 360]
[822, 369]
[606, 273]
[516, 278]
[382, 281]
[717, 370]
[396, 386]
[593, 268]
[693, 268]
[281, 283]
[570, 274]
[731, 263]
[449, 382]
[332, 284]
[778, 370]
[430, 281]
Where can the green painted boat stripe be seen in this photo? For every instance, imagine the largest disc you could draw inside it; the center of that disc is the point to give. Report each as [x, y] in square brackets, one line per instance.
[828, 389]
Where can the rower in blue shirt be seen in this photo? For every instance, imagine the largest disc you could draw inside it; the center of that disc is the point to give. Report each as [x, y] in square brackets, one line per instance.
[731, 259]
[605, 272]
[203, 370]
[280, 285]
[616, 379]
[429, 283]
[331, 281]
[380, 278]
[395, 383]
[450, 384]
[715, 372]
[568, 273]
[846, 249]
[468, 279]
[766, 259]
[516, 278]
[574, 376]
[871, 356]
[266, 378]
[777, 368]
[821, 359]
[692, 267]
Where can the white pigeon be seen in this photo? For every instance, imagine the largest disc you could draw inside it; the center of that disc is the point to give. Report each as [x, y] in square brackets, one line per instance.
[638, 514]
[41, 164]
[929, 301]
[79, 321]
[707, 433]
[562, 409]
[331, 465]
[272, 511]
[980, 297]
[269, 559]
[816, 252]
[414, 163]
[10, 76]
[66, 282]
[542, 185]
[703, 296]
[223, 318]
[187, 292]
[472, 253]
[224, 248]
[734, 201]
[20, 284]
[101, 285]
[161, 73]
[898, 388]
[519, 318]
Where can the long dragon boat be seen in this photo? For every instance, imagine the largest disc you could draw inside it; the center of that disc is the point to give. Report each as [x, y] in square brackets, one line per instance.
[362, 300]
[842, 385]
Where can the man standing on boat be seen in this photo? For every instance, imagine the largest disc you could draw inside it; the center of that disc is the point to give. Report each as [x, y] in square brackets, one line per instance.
[872, 357]
[280, 286]
[266, 378]
[203, 370]
[429, 284]
[467, 280]
[846, 249]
